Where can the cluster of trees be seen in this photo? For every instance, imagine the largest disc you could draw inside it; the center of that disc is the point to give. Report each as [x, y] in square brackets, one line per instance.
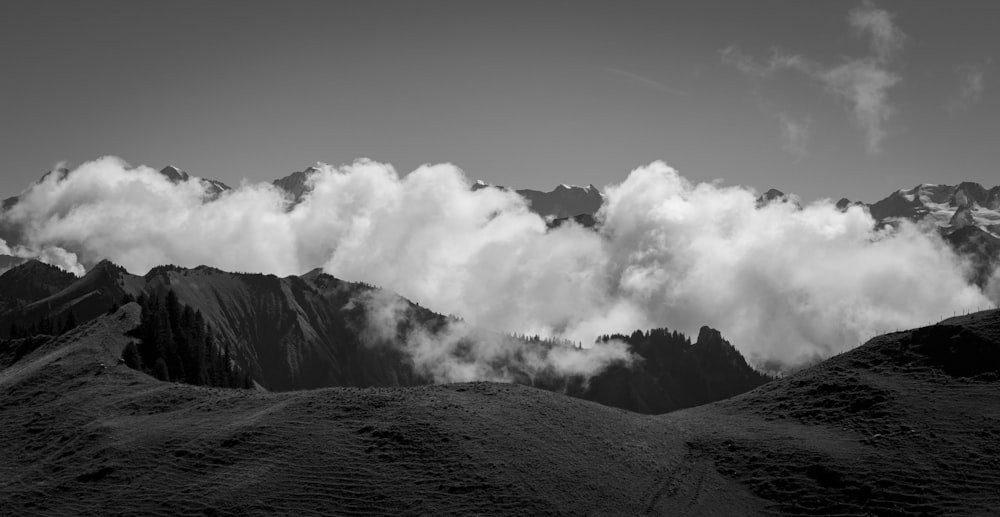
[659, 336]
[546, 342]
[176, 344]
[47, 326]
[673, 373]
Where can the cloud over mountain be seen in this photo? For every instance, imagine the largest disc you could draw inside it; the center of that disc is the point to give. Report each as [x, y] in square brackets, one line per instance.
[784, 284]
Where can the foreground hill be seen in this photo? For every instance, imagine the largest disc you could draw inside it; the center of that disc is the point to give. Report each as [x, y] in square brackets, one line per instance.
[904, 425]
[79, 434]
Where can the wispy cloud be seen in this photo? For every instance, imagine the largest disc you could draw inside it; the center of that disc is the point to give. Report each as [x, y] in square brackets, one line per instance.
[794, 135]
[864, 82]
[643, 81]
[971, 85]
[886, 38]
[733, 55]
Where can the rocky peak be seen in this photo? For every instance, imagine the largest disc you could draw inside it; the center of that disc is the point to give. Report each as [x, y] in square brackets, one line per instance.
[962, 218]
[775, 196]
[174, 174]
[296, 184]
[564, 201]
[708, 336]
[968, 193]
[212, 188]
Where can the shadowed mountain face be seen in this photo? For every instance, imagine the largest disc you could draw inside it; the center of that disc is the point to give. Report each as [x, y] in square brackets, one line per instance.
[212, 188]
[907, 424]
[293, 332]
[63, 294]
[315, 331]
[296, 184]
[982, 249]
[564, 201]
[288, 333]
[30, 282]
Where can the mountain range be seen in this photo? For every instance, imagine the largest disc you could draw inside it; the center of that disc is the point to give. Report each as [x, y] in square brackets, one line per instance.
[316, 331]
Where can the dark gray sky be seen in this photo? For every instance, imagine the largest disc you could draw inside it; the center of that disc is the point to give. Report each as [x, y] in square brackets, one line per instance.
[788, 94]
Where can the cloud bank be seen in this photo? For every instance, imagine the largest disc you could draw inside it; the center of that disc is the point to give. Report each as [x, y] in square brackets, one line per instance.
[785, 285]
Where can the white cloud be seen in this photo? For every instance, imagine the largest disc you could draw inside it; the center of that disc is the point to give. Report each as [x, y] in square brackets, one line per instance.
[461, 352]
[864, 83]
[785, 285]
[886, 37]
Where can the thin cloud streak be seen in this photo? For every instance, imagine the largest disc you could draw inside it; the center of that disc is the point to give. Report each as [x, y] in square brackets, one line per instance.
[644, 82]
[972, 84]
[794, 135]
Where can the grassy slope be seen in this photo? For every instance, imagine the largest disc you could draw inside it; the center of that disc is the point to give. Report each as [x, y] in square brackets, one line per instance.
[877, 430]
[76, 437]
[884, 429]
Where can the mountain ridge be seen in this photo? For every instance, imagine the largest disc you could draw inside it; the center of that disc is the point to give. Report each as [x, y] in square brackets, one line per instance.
[316, 331]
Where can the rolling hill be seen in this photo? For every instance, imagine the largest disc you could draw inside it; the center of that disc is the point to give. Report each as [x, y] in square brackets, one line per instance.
[904, 425]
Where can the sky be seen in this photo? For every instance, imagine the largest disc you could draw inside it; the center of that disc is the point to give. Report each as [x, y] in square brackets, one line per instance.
[823, 99]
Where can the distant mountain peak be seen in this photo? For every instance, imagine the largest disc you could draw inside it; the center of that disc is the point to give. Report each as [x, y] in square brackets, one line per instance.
[776, 196]
[296, 184]
[212, 187]
[565, 186]
[945, 205]
[564, 201]
[174, 174]
[60, 173]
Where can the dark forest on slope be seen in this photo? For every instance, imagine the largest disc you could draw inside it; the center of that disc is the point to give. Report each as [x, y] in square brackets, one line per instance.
[176, 344]
[673, 372]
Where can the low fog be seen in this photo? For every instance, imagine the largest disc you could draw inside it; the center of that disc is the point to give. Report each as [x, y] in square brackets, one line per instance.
[786, 285]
